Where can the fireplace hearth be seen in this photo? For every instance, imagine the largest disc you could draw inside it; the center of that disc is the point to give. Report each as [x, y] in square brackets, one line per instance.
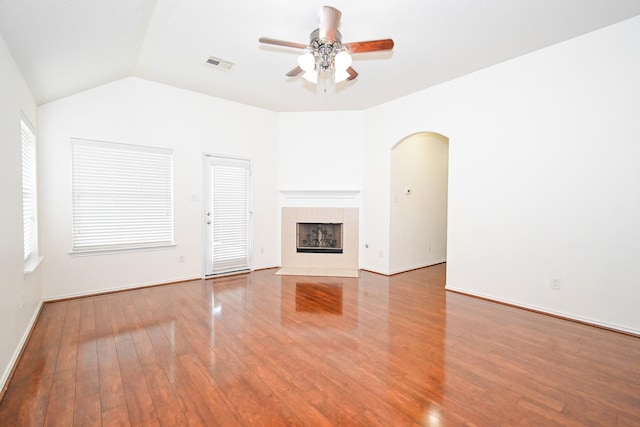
[319, 237]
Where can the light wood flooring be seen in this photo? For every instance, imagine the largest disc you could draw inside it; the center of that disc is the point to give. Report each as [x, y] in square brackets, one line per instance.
[268, 350]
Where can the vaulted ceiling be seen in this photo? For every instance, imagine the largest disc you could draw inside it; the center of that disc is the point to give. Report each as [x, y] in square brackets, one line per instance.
[66, 46]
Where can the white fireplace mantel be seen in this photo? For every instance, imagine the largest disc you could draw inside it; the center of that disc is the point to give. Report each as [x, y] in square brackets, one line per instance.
[320, 198]
[320, 194]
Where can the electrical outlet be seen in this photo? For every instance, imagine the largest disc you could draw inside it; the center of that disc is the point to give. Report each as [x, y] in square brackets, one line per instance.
[555, 283]
[181, 259]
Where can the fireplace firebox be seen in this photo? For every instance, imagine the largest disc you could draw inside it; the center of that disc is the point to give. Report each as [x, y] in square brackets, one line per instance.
[319, 237]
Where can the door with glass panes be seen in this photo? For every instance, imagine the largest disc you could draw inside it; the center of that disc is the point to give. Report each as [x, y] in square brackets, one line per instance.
[227, 215]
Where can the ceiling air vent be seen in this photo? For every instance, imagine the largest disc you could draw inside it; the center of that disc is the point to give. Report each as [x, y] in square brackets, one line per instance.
[219, 63]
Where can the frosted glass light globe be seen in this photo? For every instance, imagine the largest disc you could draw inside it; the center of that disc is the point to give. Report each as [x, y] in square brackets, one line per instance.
[307, 62]
[343, 61]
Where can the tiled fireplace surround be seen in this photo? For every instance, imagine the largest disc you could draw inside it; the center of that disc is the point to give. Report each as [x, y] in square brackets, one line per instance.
[320, 264]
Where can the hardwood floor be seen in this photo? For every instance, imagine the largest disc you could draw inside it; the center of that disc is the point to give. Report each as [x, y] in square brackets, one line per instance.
[261, 349]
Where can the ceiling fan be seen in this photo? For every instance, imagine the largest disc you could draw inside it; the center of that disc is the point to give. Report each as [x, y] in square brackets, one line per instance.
[325, 52]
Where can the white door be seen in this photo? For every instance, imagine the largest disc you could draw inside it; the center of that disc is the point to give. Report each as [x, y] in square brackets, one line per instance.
[227, 215]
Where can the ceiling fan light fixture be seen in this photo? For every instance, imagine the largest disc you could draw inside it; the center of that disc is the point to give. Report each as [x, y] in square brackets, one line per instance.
[310, 76]
[307, 62]
[342, 61]
[326, 57]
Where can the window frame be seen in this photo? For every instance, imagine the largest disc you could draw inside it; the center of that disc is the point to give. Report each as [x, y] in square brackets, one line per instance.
[29, 168]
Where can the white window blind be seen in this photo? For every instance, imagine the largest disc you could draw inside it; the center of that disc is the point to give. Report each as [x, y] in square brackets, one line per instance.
[230, 215]
[122, 196]
[29, 205]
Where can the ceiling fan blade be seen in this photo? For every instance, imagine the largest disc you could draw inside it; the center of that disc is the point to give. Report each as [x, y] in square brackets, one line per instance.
[369, 46]
[277, 42]
[294, 72]
[352, 74]
[329, 21]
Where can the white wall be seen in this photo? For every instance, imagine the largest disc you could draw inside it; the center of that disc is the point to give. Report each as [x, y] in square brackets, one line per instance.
[544, 179]
[20, 293]
[418, 211]
[320, 150]
[375, 212]
[136, 111]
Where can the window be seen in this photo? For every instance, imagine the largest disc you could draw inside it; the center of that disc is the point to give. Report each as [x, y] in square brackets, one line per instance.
[122, 196]
[29, 194]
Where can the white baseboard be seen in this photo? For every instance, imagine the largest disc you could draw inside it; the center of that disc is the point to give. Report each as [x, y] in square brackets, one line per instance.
[95, 292]
[416, 267]
[585, 320]
[16, 354]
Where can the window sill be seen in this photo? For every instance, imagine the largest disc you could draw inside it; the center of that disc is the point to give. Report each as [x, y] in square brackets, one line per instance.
[32, 264]
[105, 251]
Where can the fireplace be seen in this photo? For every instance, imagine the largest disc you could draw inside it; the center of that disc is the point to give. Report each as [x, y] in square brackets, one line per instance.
[319, 237]
[334, 253]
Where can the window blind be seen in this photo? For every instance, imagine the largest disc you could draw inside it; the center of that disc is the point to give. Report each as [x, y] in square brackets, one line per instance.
[28, 188]
[230, 215]
[122, 196]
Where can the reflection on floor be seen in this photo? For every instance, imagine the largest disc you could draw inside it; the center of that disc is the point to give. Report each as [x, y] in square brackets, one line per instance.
[310, 271]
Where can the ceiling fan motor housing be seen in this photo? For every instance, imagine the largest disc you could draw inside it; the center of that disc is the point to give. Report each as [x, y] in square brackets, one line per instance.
[325, 50]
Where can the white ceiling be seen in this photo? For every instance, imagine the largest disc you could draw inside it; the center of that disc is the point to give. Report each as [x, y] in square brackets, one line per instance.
[66, 46]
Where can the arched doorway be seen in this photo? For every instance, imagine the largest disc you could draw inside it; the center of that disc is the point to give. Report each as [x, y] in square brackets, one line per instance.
[418, 205]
